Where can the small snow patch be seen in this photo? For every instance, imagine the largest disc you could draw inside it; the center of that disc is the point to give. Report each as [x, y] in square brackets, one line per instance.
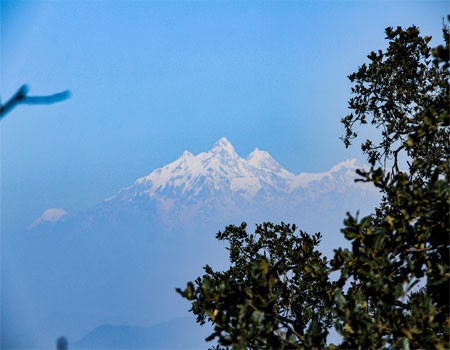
[50, 215]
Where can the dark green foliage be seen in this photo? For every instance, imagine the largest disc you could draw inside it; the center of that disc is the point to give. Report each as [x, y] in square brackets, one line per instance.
[405, 94]
[275, 294]
[393, 284]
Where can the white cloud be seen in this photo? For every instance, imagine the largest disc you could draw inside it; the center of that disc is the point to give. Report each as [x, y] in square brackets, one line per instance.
[50, 215]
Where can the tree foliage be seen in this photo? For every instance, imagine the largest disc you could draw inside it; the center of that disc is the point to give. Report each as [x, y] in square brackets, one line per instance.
[392, 288]
[273, 296]
[404, 93]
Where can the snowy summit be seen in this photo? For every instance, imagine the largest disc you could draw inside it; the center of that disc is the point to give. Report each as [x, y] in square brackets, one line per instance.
[221, 171]
[49, 215]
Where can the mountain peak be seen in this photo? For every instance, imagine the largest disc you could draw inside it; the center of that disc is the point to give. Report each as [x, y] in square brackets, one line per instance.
[50, 215]
[262, 159]
[222, 172]
[257, 153]
[351, 164]
[187, 154]
[223, 143]
[223, 146]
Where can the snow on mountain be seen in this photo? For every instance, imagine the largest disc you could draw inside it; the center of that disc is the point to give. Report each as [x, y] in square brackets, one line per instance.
[263, 160]
[221, 184]
[222, 171]
[50, 215]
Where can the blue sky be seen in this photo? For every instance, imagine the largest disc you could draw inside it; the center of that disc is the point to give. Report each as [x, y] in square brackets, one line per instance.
[151, 79]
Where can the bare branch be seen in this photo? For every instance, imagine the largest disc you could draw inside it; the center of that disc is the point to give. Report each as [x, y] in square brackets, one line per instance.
[21, 97]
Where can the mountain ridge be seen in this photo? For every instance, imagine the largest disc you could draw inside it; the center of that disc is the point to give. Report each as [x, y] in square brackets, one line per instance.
[222, 169]
[220, 184]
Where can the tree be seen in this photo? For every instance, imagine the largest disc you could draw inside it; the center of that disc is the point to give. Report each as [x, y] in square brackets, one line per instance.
[393, 283]
[405, 244]
[273, 296]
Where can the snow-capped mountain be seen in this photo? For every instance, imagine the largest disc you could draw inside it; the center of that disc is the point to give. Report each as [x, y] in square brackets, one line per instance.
[219, 184]
[218, 187]
[218, 171]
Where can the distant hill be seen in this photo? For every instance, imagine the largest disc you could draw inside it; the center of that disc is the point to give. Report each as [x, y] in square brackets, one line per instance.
[162, 336]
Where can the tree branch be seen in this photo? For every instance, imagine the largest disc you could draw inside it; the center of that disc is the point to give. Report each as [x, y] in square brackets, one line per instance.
[21, 97]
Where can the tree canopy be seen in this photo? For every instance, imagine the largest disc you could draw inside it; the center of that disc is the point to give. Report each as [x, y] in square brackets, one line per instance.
[404, 245]
[274, 294]
[392, 287]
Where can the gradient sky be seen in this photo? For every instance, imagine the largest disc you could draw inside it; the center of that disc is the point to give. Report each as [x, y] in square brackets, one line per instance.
[151, 79]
